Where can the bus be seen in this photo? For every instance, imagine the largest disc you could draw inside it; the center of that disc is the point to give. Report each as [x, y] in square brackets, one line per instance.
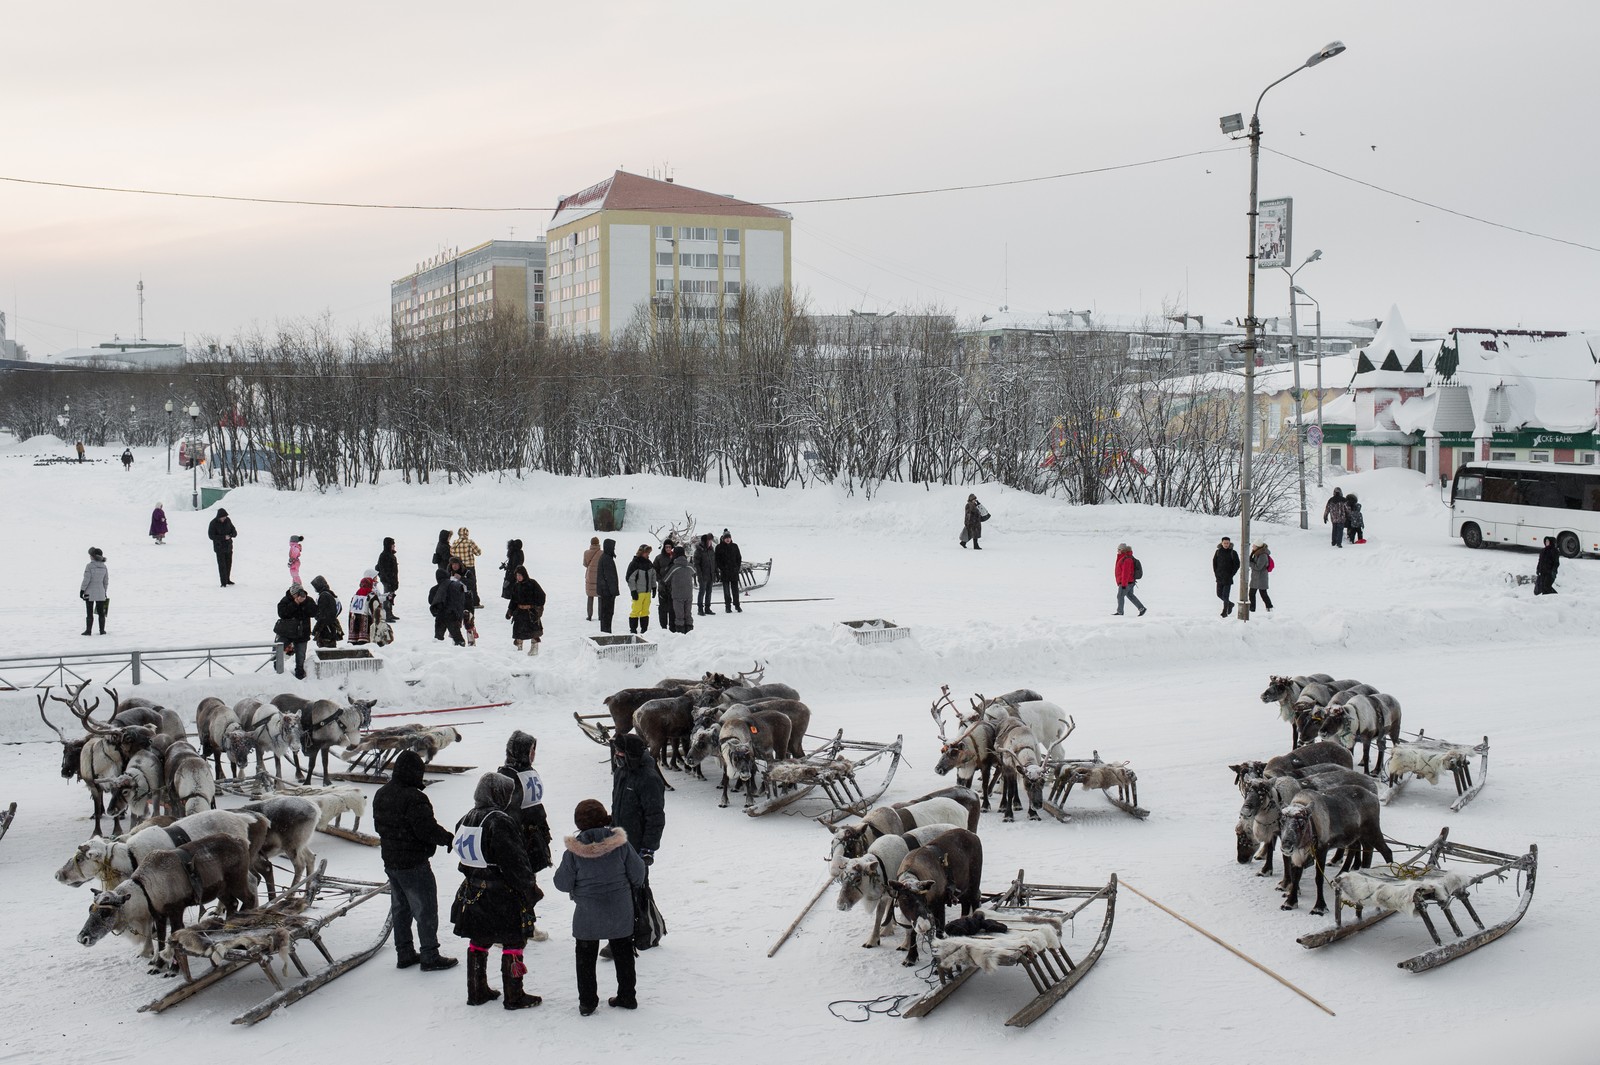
[1523, 502]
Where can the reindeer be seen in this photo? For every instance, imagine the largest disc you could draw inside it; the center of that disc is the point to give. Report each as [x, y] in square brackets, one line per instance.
[1364, 718]
[956, 807]
[220, 732]
[96, 756]
[190, 787]
[971, 753]
[799, 715]
[165, 884]
[270, 730]
[754, 693]
[736, 742]
[334, 803]
[139, 788]
[623, 705]
[950, 869]
[324, 724]
[866, 879]
[1021, 766]
[1319, 753]
[1264, 799]
[291, 822]
[1315, 822]
[114, 860]
[663, 721]
[1050, 723]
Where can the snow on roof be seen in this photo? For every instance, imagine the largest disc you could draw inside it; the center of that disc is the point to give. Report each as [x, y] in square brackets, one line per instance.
[1525, 380]
[623, 191]
[1337, 370]
[1392, 338]
[1415, 414]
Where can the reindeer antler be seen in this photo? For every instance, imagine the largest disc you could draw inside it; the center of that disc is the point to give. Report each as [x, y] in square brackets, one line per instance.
[755, 675]
[84, 714]
[1071, 725]
[46, 720]
[116, 700]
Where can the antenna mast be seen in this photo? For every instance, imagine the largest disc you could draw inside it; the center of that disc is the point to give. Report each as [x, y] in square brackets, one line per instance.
[141, 308]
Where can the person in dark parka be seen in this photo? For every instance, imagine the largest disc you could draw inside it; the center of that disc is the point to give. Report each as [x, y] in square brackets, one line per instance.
[520, 751]
[526, 610]
[495, 902]
[679, 587]
[407, 836]
[222, 533]
[606, 585]
[705, 570]
[388, 568]
[1544, 573]
[1225, 567]
[327, 631]
[514, 558]
[729, 560]
[599, 869]
[1335, 511]
[296, 612]
[663, 560]
[972, 523]
[448, 600]
[638, 795]
[441, 552]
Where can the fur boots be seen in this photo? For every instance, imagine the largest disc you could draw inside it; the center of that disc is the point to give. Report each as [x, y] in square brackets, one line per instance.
[511, 973]
[478, 989]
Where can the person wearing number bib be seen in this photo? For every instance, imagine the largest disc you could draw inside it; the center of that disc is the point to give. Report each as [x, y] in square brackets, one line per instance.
[520, 751]
[495, 901]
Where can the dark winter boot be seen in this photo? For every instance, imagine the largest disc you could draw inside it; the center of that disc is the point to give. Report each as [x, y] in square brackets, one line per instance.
[633, 625]
[88, 629]
[511, 973]
[478, 989]
[644, 625]
[434, 962]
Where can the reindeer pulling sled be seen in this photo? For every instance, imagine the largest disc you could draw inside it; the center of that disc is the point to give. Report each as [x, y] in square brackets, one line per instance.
[268, 935]
[1414, 885]
[1428, 758]
[1032, 940]
[372, 760]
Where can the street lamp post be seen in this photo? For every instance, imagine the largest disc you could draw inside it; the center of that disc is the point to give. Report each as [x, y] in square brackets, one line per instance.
[1232, 124]
[1313, 299]
[1299, 404]
[194, 467]
[169, 436]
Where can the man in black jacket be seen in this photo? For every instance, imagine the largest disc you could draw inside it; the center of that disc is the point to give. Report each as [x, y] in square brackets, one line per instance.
[705, 570]
[448, 601]
[388, 568]
[293, 630]
[662, 561]
[1225, 566]
[328, 631]
[407, 835]
[638, 803]
[222, 532]
[729, 560]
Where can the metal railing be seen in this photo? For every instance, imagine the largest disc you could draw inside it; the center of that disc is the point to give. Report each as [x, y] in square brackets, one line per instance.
[42, 671]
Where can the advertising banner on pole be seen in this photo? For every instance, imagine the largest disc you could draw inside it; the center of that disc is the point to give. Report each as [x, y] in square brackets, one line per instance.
[1274, 223]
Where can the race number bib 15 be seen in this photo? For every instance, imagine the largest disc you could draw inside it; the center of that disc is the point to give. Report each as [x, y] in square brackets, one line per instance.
[532, 788]
[468, 847]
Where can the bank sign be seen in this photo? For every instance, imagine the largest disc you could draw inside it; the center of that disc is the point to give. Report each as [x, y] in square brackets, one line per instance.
[1536, 439]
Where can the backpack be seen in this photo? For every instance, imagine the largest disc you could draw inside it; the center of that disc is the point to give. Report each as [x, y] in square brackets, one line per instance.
[1138, 570]
[436, 599]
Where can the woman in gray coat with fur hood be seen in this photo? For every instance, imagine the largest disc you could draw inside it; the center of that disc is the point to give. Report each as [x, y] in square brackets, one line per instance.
[600, 869]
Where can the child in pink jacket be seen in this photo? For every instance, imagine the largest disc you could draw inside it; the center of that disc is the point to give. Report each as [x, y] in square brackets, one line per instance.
[294, 558]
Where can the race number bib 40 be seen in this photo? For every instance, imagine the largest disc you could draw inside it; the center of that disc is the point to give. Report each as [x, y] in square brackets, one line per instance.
[532, 788]
[468, 847]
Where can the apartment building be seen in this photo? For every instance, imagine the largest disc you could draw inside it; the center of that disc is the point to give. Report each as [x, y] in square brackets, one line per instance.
[632, 241]
[456, 288]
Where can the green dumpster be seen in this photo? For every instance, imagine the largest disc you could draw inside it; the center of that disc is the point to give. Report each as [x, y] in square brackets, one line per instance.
[211, 496]
[608, 514]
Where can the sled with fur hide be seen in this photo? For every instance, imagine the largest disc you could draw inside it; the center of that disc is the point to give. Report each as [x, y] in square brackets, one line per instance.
[1423, 756]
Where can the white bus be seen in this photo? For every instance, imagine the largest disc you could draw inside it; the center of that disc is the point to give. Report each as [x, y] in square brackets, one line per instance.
[1523, 502]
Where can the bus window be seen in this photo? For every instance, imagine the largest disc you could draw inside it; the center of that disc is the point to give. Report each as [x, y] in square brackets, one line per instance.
[1501, 489]
[1541, 491]
[1469, 485]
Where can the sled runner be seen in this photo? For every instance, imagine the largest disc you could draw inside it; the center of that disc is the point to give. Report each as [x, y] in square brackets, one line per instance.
[1033, 940]
[6, 817]
[271, 935]
[1096, 774]
[598, 727]
[832, 769]
[753, 575]
[1428, 758]
[1422, 881]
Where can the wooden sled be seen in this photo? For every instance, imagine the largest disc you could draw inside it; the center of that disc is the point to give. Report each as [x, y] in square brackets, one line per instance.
[831, 769]
[6, 817]
[598, 727]
[1050, 968]
[372, 760]
[1441, 756]
[753, 575]
[268, 935]
[1087, 773]
[1420, 882]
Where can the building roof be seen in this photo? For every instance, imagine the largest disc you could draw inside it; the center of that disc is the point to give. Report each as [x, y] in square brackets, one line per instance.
[623, 191]
[1527, 380]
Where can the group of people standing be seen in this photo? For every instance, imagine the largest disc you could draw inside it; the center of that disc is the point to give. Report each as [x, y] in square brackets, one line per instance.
[1343, 512]
[500, 846]
[670, 580]
[1225, 567]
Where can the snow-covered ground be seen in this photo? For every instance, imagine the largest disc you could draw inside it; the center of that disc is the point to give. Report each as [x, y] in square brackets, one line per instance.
[1467, 651]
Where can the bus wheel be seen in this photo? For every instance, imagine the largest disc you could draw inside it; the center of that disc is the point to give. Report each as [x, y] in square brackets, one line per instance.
[1471, 535]
[1567, 544]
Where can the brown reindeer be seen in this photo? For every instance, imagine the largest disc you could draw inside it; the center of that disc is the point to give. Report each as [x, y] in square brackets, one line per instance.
[949, 869]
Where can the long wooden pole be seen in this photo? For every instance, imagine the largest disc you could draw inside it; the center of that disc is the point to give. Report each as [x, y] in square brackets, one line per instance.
[787, 932]
[1226, 946]
[445, 710]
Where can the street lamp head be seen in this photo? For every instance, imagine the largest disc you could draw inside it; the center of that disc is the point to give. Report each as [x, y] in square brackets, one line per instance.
[169, 406]
[1328, 51]
[194, 410]
[1232, 123]
[1314, 256]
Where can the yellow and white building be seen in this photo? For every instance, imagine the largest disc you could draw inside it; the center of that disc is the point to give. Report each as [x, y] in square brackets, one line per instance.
[456, 288]
[630, 241]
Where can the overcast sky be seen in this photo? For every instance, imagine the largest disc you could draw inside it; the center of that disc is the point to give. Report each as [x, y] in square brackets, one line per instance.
[1483, 108]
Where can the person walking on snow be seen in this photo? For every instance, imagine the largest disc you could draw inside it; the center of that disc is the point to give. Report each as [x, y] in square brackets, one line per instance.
[972, 523]
[222, 532]
[1225, 567]
[158, 524]
[526, 610]
[641, 581]
[407, 836]
[495, 902]
[388, 568]
[591, 573]
[606, 585]
[1260, 565]
[1127, 572]
[705, 569]
[80, 450]
[1334, 512]
[295, 543]
[94, 591]
[468, 551]
[729, 562]
[600, 869]
[679, 586]
[1544, 573]
[1355, 523]
[127, 458]
[514, 558]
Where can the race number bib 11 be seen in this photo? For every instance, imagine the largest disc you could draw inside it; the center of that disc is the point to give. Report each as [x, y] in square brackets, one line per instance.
[468, 847]
[532, 788]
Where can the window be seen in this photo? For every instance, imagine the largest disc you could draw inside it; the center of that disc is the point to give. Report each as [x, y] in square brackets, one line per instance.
[697, 260]
[730, 262]
[538, 277]
[664, 232]
[1538, 456]
[1503, 456]
[1587, 459]
[1336, 456]
[663, 284]
[732, 287]
[697, 233]
[663, 258]
[730, 236]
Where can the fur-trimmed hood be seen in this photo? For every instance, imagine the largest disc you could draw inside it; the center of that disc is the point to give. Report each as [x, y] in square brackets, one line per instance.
[597, 846]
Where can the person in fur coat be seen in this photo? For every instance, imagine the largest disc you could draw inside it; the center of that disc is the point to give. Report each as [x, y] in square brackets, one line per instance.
[599, 869]
[495, 901]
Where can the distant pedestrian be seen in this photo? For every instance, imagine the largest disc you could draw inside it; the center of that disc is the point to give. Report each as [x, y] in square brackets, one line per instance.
[641, 581]
[972, 520]
[520, 751]
[80, 450]
[296, 612]
[1127, 572]
[469, 616]
[389, 575]
[407, 836]
[729, 562]
[441, 550]
[1544, 574]
[222, 533]
[680, 587]
[95, 591]
[448, 602]
[158, 524]
[127, 458]
[296, 546]
[600, 870]
[1355, 522]
[514, 558]
[705, 571]
[1261, 565]
[527, 610]
[495, 902]
[365, 608]
[467, 550]
[1225, 567]
[591, 573]
[327, 631]
[606, 585]
[662, 561]
[1334, 512]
